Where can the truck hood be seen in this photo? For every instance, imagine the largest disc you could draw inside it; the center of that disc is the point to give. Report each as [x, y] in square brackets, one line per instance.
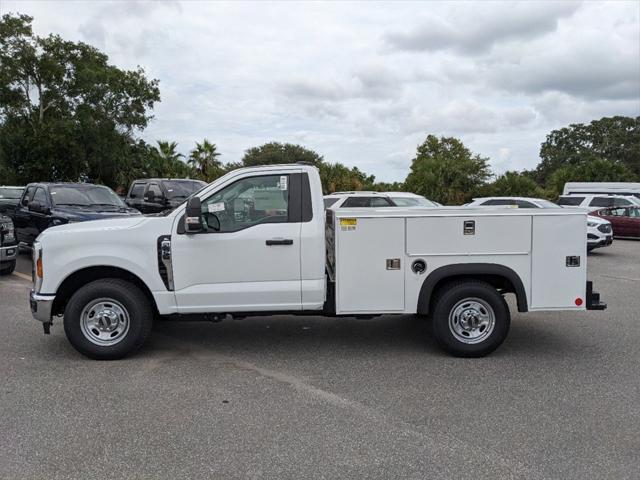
[82, 214]
[82, 227]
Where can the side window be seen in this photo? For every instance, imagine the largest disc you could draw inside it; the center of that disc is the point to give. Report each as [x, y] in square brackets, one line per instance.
[570, 201]
[380, 202]
[499, 202]
[617, 212]
[248, 202]
[619, 202]
[601, 202]
[28, 194]
[330, 201]
[634, 212]
[40, 197]
[137, 190]
[155, 190]
[525, 204]
[366, 202]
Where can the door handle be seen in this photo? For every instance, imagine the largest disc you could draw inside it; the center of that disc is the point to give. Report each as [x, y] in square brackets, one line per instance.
[284, 241]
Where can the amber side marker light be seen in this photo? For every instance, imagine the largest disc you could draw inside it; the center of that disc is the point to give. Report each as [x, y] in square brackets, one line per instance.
[39, 268]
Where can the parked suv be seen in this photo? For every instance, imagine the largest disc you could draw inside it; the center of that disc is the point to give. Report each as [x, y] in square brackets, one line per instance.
[358, 199]
[45, 205]
[599, 232]
[155, 195]
[8, 246]
[9, 199]
[597, 201]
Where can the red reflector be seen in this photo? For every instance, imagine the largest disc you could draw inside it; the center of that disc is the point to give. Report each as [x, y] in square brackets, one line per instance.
[578, 301]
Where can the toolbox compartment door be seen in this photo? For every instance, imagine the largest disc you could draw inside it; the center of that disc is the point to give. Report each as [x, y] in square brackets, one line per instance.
[368, 279]
[554, 285]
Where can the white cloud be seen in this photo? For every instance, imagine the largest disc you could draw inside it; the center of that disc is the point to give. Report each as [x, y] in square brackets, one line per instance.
[365, 85]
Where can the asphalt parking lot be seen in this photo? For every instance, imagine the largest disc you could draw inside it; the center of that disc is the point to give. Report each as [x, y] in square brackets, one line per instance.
[284, 397]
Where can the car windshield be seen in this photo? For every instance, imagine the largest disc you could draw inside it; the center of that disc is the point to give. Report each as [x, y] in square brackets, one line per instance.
[182, 188]
[413, 202]
[547, 204]
[12, 193]
[85, 196]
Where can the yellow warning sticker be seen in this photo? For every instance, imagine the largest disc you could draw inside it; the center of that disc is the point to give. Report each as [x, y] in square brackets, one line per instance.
[348, 222]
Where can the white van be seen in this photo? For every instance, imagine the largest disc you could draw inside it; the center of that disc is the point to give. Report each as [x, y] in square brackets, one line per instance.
[609, 188]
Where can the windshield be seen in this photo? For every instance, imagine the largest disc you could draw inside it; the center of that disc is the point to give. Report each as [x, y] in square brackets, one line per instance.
[182, 188]
[13, 193]
[547, 204]
[413, 202]
[85, 196]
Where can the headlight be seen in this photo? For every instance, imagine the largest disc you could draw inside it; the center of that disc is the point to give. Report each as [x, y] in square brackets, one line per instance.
[9, 232]
[592, 224]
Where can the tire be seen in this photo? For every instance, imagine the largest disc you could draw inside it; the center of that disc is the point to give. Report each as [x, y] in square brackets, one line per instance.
[470, 318]
[108, 319]
[7, 267]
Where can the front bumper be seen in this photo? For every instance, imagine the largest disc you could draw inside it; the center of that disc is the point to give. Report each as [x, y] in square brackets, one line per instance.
[594, 241]
[8, 253]
[41, 306]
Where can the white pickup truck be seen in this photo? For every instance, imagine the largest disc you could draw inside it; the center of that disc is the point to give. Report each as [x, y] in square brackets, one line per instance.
[258, 241]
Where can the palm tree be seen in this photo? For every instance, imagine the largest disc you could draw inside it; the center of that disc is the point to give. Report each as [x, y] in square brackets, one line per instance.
[169, 161]
[204, 158]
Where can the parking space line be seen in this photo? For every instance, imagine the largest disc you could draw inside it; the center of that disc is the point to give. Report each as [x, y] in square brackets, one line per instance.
[621, 278]
[22, 276]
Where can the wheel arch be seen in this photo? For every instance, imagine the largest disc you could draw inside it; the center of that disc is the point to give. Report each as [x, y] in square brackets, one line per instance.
[500, 276]
[86, 275]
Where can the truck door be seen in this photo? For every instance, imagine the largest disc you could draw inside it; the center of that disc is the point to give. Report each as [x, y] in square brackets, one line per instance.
[39, 221]
[21, 217]
[248, 259]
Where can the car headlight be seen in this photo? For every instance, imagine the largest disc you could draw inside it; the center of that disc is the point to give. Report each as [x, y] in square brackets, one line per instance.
[8, 230]
[592, 224]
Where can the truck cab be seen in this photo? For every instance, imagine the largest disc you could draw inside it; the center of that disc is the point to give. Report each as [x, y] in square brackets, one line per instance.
[257, 241]
[156, 195]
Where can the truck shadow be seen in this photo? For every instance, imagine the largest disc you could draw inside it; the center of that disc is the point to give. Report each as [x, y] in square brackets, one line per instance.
[403, 334]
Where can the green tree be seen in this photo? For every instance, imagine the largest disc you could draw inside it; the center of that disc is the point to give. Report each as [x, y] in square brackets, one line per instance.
[446, 171]
[613, 139]
[593, 170]
[274, 153]
[336, 177]
[512, 184]
[65, 112]
[204, 158]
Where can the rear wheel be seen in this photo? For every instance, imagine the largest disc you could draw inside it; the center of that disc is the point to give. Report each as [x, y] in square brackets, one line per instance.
[7, 267]
[108, 319]
[470, 318]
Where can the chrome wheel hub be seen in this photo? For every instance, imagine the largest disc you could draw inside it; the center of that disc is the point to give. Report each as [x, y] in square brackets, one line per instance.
[472, 320]
[104, 322]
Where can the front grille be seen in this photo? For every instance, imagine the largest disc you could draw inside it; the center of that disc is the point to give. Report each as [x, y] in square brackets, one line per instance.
[592, 236]
[604, 228]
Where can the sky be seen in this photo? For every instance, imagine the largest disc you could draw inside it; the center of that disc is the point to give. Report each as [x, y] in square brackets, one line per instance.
[364, 83]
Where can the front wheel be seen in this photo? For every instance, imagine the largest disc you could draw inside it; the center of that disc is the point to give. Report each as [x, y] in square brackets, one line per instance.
[470, 318]
[108, 319]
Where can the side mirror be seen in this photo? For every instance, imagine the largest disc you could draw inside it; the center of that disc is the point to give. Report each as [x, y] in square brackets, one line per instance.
[37, 207]
[193, 219]
[149, 197]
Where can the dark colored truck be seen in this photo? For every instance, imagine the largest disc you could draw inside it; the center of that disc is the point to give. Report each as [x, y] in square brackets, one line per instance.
[9, 199]
[8, 246]
[156, 195]
[45, 205]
